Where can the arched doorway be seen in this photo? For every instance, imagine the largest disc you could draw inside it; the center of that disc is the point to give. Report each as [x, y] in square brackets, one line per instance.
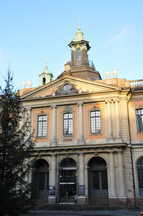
[40, 179]
[67, 180]
[140, 175]
[97, 181]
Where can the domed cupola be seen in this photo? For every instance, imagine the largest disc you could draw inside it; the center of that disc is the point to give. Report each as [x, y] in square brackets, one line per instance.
[45, 76]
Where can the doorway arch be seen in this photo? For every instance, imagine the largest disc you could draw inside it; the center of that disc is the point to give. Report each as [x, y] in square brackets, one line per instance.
[40, 179]
[67, 181]
[97, 181]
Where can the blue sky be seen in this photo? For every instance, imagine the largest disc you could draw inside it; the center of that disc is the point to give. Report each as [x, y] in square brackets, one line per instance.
[36, 32]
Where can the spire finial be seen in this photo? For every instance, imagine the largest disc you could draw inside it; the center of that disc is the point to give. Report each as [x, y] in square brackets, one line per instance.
[45, 69]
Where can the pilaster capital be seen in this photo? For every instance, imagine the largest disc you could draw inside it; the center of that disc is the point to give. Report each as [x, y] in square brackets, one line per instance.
[80, 103]
[28, 108]
[108, 100]
[53, 106]
[80, 154]
[112, 100]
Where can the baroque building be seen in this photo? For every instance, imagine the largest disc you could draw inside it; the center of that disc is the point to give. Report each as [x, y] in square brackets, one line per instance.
[88, 134]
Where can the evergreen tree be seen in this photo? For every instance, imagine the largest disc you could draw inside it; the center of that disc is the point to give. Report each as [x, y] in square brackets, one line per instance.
[15, 150]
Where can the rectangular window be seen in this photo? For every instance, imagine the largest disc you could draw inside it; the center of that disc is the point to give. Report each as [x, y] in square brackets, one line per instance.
[68, 124]
[42, 126]
[139, 119]
[95, 122]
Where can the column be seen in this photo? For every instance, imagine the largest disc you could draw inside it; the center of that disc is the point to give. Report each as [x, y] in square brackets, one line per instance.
[111, 177]
[81, 180]
[109, 119]
[80, 123]
[54, 126]
[52, 180]
[121, 180]
[117, 118]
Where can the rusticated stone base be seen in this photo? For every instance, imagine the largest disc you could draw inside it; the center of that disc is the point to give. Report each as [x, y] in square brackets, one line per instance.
[81, 200]
[116, 202]
[139, 202]
[51, 200]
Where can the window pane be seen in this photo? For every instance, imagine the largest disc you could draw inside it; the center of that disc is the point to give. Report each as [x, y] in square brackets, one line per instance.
[140, 175]
[139, 119]
[95, 121]
[42, 125]
[68, 124]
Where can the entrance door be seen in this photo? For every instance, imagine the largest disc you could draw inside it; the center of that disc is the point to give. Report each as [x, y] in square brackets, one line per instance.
[97, 182]
[67, 181]
[40, 179]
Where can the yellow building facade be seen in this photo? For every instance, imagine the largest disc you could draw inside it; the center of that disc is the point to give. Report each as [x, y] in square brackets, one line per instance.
[88, 135]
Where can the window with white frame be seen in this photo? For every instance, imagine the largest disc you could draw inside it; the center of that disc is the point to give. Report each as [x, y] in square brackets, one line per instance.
[95, 122]
[42, 125]
[68, 124]
[140, 175]
[139, 119]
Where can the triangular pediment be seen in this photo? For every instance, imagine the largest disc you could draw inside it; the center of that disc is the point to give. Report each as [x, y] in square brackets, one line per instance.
[70, 86]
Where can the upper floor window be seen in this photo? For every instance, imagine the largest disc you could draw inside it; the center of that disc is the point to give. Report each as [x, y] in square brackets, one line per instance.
[95, 122]
[140, 175]
[42, 126]
[78, 56]
[68, 124]
[139, 119]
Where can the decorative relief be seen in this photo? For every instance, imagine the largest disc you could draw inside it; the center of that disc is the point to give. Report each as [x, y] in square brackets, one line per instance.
[66, 89]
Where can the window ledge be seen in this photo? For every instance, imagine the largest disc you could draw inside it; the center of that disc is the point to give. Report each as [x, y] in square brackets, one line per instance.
[96, 134]
[41, 137]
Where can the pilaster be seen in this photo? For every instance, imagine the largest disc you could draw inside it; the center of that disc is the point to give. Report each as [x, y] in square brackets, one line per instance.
[54, 125]
[109, 119]
[111, 177]
[80, 123]
[81, 180]
[121, 180]
[117, 118]
[52, 180]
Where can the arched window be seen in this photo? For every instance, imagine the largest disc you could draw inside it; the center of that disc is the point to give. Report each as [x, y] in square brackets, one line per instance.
[140, 175]
[44, 80]
[78, 56]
